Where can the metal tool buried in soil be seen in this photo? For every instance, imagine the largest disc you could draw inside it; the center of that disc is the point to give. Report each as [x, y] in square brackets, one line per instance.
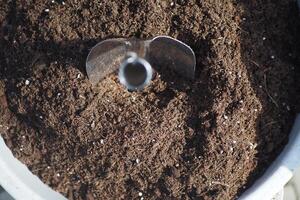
[134, 58]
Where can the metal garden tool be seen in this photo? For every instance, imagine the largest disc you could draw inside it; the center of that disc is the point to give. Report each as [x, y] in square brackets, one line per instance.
[134, 58]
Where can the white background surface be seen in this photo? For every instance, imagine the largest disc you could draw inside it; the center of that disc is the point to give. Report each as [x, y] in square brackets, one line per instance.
[292, 189]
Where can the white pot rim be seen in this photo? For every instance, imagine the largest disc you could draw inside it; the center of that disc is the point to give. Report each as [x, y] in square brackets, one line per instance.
[281, 170]
[19, 182]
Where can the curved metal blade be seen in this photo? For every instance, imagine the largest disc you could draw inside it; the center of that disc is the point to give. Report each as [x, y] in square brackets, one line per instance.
[173, 53]
[105, 58]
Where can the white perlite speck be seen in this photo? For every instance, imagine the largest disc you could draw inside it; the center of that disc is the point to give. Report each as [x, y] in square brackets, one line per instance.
[137, 161]
[93, 124]
[102, 141]
[47, 10]
[272, 57]
[225, 117]
[27, 82]
[140, 194]
[252, 146]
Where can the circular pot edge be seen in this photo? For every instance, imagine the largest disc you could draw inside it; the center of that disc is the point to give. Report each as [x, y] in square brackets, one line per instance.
[19, 182]
[281, 170]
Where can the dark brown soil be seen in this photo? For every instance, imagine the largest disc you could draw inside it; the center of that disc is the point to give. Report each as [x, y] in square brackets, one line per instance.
[206, 139]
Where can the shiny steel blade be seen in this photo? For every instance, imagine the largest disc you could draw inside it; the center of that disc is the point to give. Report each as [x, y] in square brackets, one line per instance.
[105, 58]
[172, 53]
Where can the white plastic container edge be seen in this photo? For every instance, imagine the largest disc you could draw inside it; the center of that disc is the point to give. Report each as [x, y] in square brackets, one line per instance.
[280, 172]
[19, 182]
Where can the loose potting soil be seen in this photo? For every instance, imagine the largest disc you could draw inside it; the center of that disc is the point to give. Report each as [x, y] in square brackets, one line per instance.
[210, 138]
